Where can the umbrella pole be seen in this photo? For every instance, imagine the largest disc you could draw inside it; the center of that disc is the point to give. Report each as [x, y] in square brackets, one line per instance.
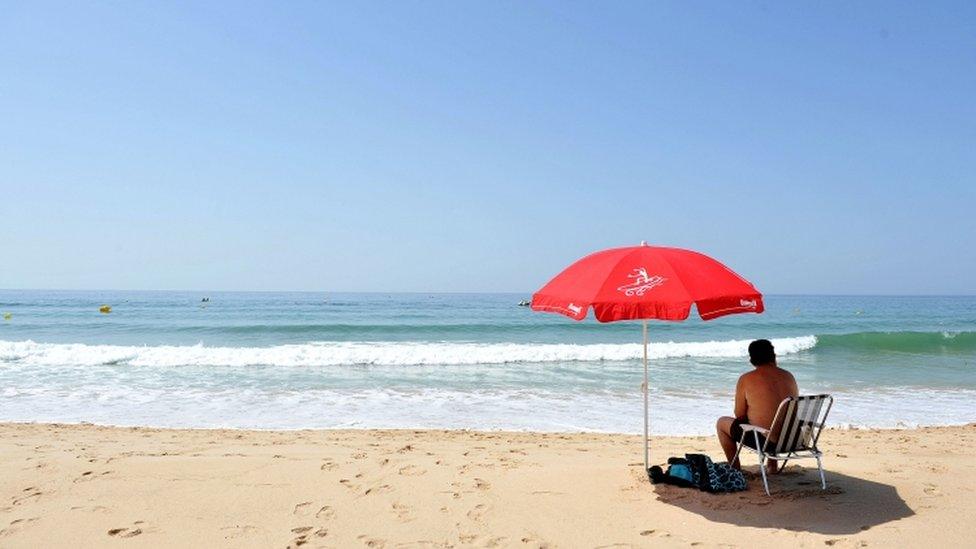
[644, 390]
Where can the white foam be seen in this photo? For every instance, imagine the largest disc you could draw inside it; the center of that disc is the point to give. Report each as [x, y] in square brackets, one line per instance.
[672, 413]
[373, 353]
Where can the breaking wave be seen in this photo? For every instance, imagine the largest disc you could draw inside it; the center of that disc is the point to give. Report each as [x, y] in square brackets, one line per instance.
[372, 353]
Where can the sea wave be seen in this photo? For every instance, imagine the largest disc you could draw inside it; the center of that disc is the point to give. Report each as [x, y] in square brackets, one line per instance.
[372, 353]
[906, 342]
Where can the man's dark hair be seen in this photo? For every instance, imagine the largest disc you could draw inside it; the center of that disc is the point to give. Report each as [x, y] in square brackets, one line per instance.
[761, 352]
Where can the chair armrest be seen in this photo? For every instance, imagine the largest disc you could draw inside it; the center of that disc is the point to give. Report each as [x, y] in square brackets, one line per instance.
[746, 428]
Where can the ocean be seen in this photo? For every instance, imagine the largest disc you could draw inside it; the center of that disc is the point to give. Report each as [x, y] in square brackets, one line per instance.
[462, 361]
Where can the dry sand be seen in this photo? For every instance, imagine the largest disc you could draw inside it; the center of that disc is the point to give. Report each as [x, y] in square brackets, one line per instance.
[88, 486]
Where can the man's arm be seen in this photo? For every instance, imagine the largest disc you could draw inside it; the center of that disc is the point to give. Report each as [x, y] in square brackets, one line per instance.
[741, 408]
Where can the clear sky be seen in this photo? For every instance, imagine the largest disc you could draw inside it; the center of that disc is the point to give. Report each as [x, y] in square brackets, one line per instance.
[460, 146]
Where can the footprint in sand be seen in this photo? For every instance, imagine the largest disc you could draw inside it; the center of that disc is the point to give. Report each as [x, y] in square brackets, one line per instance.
[832, 542]
[478, 512]
[381, 489]
[328, 464]
[537, 543]
[482, 541]
[482, 484]
[238, 530]
[302, 509]
[125, 532]
[89, 475]
[325, 513]
[16, 525]
[371, 542]
[403, 512]
[412, 471]
[932, 490]
[23, 499]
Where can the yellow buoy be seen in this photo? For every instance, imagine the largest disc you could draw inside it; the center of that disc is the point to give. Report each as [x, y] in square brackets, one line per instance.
[105, 309]
[7, 316]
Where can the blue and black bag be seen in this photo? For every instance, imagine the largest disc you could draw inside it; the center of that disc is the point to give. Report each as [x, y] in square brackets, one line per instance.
[699, 471]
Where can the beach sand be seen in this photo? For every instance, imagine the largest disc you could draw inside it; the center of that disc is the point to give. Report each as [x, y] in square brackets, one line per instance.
[91, 486]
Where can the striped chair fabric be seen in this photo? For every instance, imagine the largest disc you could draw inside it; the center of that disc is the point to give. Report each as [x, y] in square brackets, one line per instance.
[801, 424]
[800, 420]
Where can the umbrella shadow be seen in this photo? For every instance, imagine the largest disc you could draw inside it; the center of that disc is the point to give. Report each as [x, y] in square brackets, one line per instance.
[849, 504]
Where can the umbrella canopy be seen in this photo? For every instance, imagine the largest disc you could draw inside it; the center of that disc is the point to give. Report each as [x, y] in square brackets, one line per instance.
[647, 282]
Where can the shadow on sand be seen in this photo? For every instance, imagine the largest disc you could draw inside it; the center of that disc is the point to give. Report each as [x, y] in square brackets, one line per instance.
[849, 505]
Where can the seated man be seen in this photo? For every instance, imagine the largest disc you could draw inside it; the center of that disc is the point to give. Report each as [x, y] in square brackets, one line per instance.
[757, 396]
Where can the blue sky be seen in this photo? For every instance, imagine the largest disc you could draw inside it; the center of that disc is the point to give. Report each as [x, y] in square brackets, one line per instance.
[459, 146]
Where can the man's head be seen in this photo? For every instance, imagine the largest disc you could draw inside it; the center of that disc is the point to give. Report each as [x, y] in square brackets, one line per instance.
[761, 352]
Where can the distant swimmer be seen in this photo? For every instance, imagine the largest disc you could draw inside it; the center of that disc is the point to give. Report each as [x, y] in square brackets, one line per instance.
[524, 303]
[205, 300]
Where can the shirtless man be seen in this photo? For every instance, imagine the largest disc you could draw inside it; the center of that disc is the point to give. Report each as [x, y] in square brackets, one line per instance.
[757, 395]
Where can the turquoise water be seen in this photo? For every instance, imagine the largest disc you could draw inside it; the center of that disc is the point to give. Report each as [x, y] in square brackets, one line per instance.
[295, 360]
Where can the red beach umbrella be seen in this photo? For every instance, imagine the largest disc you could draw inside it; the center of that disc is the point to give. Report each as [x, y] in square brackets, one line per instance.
[647, 282]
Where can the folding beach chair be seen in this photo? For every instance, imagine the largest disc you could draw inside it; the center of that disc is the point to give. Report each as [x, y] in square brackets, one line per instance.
[801, 420]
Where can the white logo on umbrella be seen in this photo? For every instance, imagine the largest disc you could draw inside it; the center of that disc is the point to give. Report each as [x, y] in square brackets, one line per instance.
[642, 282]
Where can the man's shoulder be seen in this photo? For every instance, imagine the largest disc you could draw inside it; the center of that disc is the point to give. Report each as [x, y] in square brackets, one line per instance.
[785, 373]
[747, 377]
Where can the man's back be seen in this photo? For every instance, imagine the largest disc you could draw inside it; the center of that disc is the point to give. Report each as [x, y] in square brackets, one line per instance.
[757, 396]
[760, 392]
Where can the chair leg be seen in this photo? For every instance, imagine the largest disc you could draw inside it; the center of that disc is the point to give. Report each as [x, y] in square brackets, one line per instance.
[737, 450]
[823, 480]
[762, 463]
[762, 470]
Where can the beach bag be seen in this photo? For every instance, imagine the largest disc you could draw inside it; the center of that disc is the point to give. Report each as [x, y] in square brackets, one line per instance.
[679, 473]
[715, 477]
[698, 471]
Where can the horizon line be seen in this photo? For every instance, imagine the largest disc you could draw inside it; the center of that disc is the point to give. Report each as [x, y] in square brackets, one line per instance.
[459, 292]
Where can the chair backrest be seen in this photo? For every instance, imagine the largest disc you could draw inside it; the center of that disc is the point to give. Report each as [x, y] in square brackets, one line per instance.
[801, 419]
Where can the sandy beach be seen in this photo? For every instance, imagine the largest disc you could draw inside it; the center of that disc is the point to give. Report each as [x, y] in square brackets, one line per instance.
[85, 485]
